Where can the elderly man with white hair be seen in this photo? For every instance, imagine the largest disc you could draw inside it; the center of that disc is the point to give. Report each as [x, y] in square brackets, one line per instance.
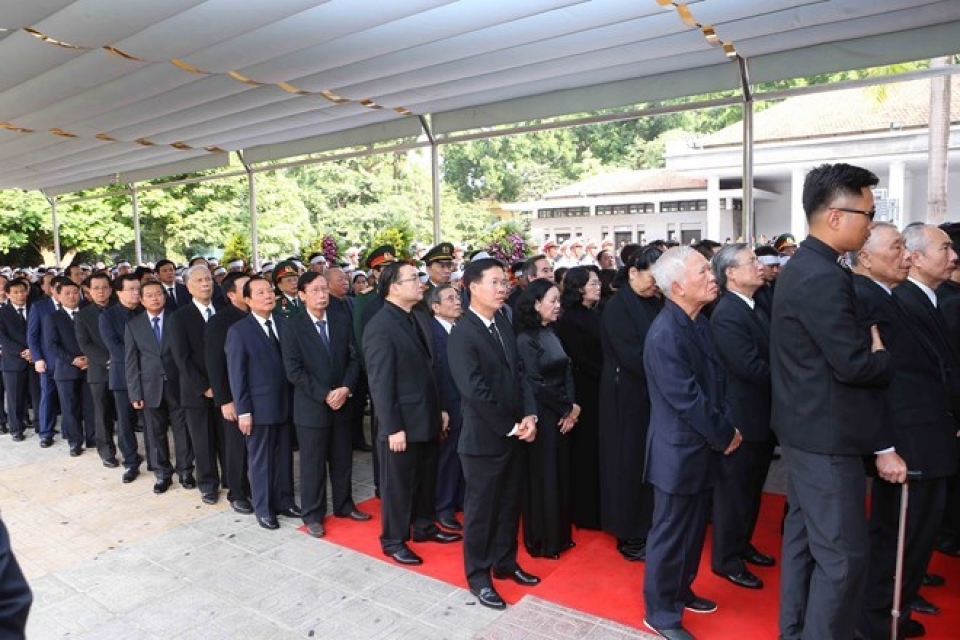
[690, 431]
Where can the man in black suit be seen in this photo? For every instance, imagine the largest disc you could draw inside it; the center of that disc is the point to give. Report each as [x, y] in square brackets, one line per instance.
[322, 364]
[19, 378]
[920, 423]
[234, 446]
[825, 370]
[261, 394]
[60, 337]
[444, 303]
[91, 343]
[176, 295]
[741, 337]
[402, 369]
[113, 323]
[153, 385]
[44, 363]
[187, 329]
[15, 595]
[499, 418]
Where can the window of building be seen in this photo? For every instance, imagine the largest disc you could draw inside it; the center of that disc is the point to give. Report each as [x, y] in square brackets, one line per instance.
[563, 212]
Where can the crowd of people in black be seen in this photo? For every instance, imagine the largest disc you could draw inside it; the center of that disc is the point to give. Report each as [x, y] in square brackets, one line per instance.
[641, 394]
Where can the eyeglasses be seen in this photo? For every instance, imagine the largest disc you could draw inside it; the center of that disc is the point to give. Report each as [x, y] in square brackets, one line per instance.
[593, 283]
[870, 214]
[405, 280]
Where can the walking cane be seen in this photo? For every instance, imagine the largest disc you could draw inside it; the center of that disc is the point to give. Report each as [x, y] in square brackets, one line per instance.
[901, 543]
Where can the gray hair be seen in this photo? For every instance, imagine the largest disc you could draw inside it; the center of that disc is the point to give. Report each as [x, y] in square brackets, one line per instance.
[724, 259]
[915, 236]
[194, 269]
[670, 267]
[854, 256]
[434, 295]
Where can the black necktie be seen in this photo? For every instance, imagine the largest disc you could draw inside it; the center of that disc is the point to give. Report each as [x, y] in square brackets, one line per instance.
[496, 334]
[172, 295]
[272, 335]
[322, 327]
[762, 316]
[23, 314]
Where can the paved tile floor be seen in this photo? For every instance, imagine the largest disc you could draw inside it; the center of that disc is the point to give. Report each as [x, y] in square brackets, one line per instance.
[113, 561]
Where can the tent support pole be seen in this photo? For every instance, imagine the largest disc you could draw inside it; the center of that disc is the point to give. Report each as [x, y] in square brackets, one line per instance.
[56, 228]
[434, 177]
[747, 219]
[137, 242]
[254, 235]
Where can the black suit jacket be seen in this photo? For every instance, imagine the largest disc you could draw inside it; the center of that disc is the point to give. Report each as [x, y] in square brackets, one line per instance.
[182, 294]
[60, 338]
[149, 365]
[13, 339]
[216, 357]
[742, 342]
[493, 395]
[255, 367]
[403, 374]
[113, 324]
[449, 394]
[823, 374]
[315, 372]
[187, 329]
[918, 416]
[87, 327]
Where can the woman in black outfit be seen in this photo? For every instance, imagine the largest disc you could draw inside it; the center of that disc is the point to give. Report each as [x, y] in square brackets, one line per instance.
[579, 333]
[626, 502]
[547, 520]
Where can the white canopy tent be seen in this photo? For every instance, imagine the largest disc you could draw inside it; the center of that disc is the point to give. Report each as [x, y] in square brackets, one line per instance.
[98, 92]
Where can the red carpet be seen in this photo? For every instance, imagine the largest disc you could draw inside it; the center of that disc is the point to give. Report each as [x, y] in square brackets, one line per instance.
[593, 578]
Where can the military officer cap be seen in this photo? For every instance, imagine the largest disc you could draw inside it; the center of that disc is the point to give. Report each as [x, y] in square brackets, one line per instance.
[381, 256]
[783, 241]
[443, 252]
[284, 269]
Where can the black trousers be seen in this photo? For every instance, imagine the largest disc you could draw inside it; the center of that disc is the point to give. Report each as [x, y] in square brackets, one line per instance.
[736, 504]
[408, 483]
[450, 485]
[234, 461]
[49, 404]
[157, 422]
[20, 387]
[825, 546]
[491, 513]
[72, 394]
[924, 514]
[102, 420]
[126, 432]
[358, 401]
[15, 595]
[326, 450]
[270, 456]
[202, 427]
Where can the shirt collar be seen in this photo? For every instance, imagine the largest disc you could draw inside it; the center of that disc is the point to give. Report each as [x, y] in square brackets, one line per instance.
[927, 291]
[750, 301]
[485, 322]
[447, 326]
[203, 308]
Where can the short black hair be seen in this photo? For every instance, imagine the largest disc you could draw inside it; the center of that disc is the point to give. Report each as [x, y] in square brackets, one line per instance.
[573, 284]
[389, 275]
[645, 258]
[475, 269]
[152, 283]
[127, 277]
[628, 250]
[827, 182]
[164, 262]
[16, 282]
[229, 284]
[530, 266]
[247, 292]
[306, 278]
[141, 271]
[96, 275]
[66, 282]
[525, 315]
[766, 250]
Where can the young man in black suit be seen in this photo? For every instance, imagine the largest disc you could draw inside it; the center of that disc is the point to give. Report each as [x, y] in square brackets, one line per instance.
[499, 418]
[176, 294]
[402, 369]
[19, 378]
[321, 363]
[234, 446]
[91, 343]
[741, 337]
[825, 369]
[920, 422]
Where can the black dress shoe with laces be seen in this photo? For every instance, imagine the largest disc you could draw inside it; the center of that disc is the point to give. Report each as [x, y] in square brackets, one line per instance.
[76, 452]
[679, 633]
[18, 437]
[188, 481]
[292, 511]
[161, 486]
[315, 529]
[404, 555]
[443, 537]
[268, 522]
[701, 605]
[356, 515]
[744, 579]
[450, 522]
[46, 443]
[759, 559]
[111, 463]
[130, 475]
[933, 580]
[488, 597]
[519, 576]
[912, 629]
[210, 498]
[242, 506]
[921, 605]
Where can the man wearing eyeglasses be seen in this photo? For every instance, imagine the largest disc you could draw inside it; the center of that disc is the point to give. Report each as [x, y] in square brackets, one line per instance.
[826, 370]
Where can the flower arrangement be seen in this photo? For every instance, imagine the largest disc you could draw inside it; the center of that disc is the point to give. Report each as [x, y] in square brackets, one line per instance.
[330, 249]
[506, 242]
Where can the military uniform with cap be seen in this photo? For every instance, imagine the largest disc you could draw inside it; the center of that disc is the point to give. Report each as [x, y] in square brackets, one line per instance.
[442, 254]
[287, 306]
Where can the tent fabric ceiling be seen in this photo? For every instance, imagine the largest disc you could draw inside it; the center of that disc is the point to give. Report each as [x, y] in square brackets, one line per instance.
[98, 90]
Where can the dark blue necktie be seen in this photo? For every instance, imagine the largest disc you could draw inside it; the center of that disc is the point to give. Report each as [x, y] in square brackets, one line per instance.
[156, 328]
[322, 327]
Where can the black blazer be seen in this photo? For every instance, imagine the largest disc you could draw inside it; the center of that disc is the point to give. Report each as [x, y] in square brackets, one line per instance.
[403, 374]
[183, 297]
[918, 419]
[60, 339]
[449, 394]
[823, 374]
[13, 339]
[214, 354]
[493, 395]
[113, 324]
[741, 339]
[149, 365]
[187, 328]
[315, 372]
[87, 327]
[256, 374]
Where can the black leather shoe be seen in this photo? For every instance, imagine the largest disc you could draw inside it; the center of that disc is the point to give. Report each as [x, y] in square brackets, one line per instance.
[701, 605]
[450, 522]
[933, 580]
[948, 546]
[316, 530]
[188, 481]
[670, 634]
[292, 511]
[921, 605]
[488, 597]
[4, 429]
[161, 486]
[46, 443]
[111, 463]
[744, 579]
[912, 629]
[91, 444]
[76, 451]
[130, 475]
[242, 506]
[268, 523]
[357, 515]
[759, 559]
[18, 437]
[363, 446]
[633, 553]
[443, 537]
[519, 576]
[404, 555]
[210, 498]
